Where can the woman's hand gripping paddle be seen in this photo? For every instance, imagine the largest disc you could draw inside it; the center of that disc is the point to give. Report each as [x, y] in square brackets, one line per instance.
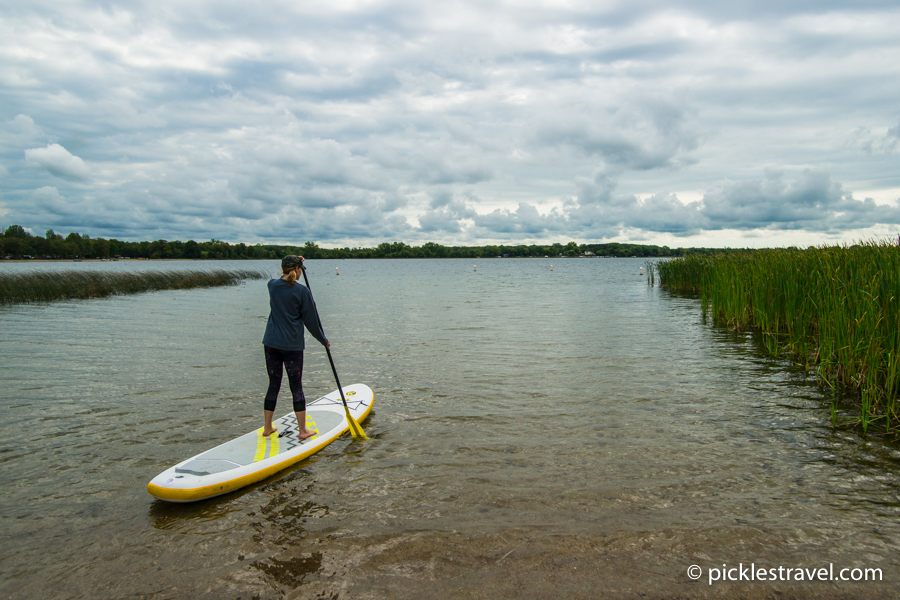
[355, 429]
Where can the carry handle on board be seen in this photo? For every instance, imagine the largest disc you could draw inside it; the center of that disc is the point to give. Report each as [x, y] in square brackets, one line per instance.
[355, 429]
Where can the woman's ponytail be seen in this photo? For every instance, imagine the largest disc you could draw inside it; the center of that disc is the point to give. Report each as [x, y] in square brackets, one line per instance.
[290, 275]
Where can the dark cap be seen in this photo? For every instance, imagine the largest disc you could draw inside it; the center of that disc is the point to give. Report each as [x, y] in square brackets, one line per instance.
[291, 262]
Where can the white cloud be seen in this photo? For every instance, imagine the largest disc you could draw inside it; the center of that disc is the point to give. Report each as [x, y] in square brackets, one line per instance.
[57, 161]
[49, 198]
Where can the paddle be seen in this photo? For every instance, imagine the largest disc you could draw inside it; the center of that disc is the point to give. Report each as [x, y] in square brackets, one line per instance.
[355, 429]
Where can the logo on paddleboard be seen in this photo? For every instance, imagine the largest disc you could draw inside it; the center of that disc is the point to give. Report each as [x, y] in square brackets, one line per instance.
[351, 393]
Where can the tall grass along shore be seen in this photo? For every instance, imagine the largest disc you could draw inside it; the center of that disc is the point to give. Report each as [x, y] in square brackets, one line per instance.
[16, 288]
[834, 310]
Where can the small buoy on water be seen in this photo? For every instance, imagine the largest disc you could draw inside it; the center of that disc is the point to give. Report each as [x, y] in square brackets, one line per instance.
[642, 270]
[551, 267]
[337, 271]
[474, 267]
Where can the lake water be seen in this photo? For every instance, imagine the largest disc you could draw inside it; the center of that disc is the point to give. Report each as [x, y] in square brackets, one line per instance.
[572, 433]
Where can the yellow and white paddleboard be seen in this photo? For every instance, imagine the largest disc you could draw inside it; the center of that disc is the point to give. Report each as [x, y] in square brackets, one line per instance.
[253, 457]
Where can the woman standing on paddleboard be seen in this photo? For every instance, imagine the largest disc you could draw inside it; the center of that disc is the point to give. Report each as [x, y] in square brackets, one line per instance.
[291, 308]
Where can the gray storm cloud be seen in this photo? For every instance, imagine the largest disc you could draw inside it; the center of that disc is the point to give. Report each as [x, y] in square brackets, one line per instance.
[808, 200]
[811, 201]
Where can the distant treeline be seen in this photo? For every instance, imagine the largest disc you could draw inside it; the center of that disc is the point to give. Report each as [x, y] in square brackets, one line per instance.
[15, 242]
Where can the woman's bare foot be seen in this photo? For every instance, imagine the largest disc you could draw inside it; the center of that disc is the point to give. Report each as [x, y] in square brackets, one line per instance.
[267, 431]
[306, 433]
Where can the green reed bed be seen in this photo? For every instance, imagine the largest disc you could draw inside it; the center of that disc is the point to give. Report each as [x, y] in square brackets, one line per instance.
[16, 288]
[834, 310]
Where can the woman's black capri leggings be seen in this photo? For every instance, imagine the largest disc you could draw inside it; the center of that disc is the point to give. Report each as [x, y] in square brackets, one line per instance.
[292, 362]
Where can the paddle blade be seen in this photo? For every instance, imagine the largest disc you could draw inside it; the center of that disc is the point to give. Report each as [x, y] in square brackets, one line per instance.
[355, 429]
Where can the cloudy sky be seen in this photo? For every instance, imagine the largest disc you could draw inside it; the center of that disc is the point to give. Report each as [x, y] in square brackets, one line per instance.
[685, 122]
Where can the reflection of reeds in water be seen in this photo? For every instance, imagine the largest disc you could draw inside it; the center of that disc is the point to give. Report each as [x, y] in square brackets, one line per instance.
[835, 309]
[48, 286]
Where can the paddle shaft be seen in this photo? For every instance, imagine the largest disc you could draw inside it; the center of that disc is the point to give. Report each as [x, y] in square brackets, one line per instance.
[327, 349]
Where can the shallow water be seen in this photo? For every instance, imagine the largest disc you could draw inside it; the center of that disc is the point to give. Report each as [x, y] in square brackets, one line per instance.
[568, 433]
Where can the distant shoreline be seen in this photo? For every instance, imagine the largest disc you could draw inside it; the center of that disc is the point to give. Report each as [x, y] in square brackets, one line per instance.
[98, 260]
